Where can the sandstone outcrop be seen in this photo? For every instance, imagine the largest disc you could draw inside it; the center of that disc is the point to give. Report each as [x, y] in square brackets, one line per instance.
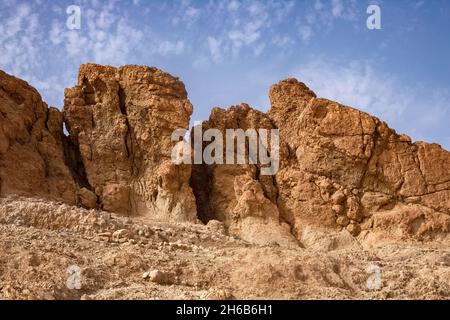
[340, 169]
[31, 145]
[237, 194]
[343, 157]
[120, 122]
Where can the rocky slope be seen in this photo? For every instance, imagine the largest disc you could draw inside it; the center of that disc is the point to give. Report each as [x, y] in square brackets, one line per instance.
[118, 258]
[349, 193]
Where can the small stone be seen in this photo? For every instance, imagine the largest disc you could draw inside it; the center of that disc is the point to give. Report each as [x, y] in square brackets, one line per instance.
[120, 234]
[342, 221]
[412, 200]
[338, 208]
[219, 294]
[87, 198]
[216, 226]
[159, 277]
[104, 234]
[145, 275]
[405, 138]
[354, 210]
[338, 197]
[354, 229]
[325, 185]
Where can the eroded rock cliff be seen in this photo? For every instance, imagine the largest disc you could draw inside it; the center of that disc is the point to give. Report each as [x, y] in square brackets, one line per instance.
[31, 145]
[340, 168]
[120, 122]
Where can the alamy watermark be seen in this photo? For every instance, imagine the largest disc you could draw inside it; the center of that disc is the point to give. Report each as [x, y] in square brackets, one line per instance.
[73, 21]
[374, 20]
[73, 281]
[252, 146]
[374, 281]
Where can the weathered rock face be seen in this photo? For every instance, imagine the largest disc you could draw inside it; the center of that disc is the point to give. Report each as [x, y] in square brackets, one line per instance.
[339, 168]
[341, 161]
[31, 144]
[237, 194]
[120, 122]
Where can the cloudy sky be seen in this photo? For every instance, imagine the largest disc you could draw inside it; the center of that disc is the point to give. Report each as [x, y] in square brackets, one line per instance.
[228, 52]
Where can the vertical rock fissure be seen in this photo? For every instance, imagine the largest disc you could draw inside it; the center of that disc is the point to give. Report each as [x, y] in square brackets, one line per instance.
[199, 182]
[129, 134]
[74, 161]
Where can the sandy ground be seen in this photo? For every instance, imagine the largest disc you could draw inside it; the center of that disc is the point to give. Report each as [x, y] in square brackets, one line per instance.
[55, 251]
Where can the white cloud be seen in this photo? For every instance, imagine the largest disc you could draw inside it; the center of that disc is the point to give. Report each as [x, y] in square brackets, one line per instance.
[214, 49]
[185, 14]
[337, 8]
[359, 85]
[105, 36]
[233, 5]
[246, 36]
[259, 49]
[305, 32]
[19, 39]
[323, 16]
[318, 5]
[247, 26]
[167, 47]
[192, 12]
[283, 41]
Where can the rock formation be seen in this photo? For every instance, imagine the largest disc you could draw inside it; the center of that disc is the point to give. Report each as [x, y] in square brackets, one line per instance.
[340, 169]
[120, 122]
[237, 194]
[31, 145]
[342, 165]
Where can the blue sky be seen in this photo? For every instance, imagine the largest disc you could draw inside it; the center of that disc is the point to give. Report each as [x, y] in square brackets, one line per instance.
[228, 52]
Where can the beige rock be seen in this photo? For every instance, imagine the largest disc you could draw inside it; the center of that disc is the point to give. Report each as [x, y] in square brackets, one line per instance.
[87, 198]
[338, 208]
[31, 145]
[354, 209]
[333, 159]
[338, 197]
[327, 139]
[159, 277]
[342, 221]
[354, 229]
[116, 198]
[216, 226]
[120, 122]
[120, 234]
[236, 194]
[373, 201]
